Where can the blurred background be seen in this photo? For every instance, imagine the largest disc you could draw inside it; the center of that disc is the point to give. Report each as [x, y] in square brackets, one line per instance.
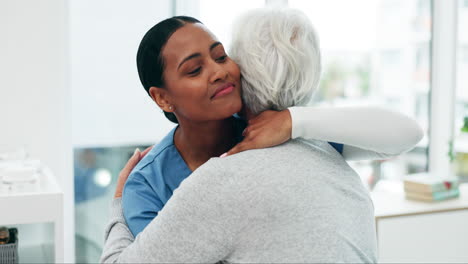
[69, 82]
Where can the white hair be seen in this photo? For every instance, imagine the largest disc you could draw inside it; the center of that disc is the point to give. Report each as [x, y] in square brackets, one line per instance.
[278, 53]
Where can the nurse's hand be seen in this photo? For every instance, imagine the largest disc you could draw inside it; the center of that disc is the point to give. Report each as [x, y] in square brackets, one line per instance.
[125, 172]
[268, 129]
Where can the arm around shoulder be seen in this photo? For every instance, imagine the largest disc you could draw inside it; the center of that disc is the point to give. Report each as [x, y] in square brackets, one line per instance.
[196, 225]
[369, 132]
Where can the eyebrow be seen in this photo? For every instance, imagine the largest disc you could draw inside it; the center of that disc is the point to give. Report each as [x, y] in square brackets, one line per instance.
[212, 46]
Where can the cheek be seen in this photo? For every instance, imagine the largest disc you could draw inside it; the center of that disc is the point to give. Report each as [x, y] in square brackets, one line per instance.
[189, 97]
[189, 92]
[235, 71]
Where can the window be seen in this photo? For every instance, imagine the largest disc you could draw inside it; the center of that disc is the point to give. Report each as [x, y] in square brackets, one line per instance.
[220, 22]
[461, 96]
[376, 52]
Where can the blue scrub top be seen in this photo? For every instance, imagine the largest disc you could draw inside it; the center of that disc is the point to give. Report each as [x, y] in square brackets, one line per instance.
[156, 176]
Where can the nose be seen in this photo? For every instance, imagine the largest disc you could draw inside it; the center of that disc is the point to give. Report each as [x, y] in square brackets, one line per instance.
[219, 73]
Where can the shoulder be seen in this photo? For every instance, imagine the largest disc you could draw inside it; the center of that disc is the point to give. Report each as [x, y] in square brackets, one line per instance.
[291, 149]
[154, 171]
[215, 178]
[291, 154]
[159, 150]
[210, 173]
[161, 153]
[147, 181]
[211, 188]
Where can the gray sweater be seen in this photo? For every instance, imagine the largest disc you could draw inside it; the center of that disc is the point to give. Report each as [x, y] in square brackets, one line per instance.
[297, 202]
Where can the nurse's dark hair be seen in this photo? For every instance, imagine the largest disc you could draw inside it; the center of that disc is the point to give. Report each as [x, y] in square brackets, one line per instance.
[150, 61]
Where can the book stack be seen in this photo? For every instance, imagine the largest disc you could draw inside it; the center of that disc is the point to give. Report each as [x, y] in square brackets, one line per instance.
[429, 188]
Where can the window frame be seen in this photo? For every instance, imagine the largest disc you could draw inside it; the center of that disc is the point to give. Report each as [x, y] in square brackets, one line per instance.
[443, 74]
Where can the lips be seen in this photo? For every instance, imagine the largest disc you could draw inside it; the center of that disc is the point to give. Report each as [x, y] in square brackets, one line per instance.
[223, 90]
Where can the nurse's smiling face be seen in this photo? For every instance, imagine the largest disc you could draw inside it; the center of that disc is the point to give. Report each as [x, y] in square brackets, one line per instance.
[201, 83]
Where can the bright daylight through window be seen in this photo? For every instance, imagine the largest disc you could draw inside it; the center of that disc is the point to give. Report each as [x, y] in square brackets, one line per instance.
[376, 52]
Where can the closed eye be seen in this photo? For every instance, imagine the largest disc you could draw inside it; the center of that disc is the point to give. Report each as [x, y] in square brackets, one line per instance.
[195, 72]
[222, 58]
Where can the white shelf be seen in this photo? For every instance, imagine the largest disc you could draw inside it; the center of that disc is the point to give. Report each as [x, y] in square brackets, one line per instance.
[420, 232]
[41, 206]
[389, 201]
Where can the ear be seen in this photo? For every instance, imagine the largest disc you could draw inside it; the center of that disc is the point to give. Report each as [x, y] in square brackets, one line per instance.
[161, 97]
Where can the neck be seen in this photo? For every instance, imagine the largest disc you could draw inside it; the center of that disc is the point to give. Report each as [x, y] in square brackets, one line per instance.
[197, 142]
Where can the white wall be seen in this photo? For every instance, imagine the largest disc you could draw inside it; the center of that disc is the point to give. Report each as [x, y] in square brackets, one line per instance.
[34, 91]
[110, 106]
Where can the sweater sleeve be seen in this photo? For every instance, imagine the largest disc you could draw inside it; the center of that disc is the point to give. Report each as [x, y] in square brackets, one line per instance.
[365, 132]
[196, 226]
[117, 235]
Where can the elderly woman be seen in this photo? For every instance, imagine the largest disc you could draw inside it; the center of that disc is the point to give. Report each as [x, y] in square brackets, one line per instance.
[298, 202]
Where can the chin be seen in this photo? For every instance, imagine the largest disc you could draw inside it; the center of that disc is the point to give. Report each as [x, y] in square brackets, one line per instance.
[231, 108]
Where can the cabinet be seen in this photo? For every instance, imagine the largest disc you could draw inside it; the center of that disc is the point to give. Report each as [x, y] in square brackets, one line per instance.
[411, 231]
[42, 206]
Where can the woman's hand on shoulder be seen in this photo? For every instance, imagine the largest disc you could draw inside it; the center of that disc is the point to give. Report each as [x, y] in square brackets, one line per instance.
[127, 169]
[268, 129]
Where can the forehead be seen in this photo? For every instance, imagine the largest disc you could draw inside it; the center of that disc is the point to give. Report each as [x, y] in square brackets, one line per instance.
[189, 39]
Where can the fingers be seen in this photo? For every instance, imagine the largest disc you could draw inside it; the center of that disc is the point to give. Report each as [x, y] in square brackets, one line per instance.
[127, 169]
[146, 151]
[236, 149]
[135, 158]
[270, 128]
[249, 135]
[248, 131]
[131, 163]
[251, 132]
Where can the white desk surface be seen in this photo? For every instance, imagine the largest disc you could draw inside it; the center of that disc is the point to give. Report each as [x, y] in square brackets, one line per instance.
[389, 201]
[42, 205]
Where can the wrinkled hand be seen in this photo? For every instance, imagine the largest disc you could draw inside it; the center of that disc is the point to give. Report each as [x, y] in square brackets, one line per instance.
[268, 129]
[125, 172]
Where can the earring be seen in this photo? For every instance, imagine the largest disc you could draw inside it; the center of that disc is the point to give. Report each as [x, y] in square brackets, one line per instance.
[170, 107]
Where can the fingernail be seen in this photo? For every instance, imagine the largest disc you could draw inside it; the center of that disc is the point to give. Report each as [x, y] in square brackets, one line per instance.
[224, 155]
[137, 150]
